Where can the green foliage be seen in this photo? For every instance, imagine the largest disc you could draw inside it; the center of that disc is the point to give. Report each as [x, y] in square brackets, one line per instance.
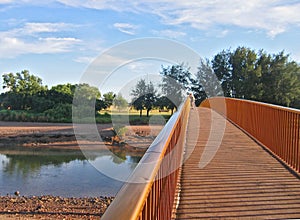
[23, 116]
[85, 99]
[144, 120]
[120, 103]
[26, 93]
[109, 99]
[172, 86]
[60, 113]
[103, 119]
[62, 93]
[23, 83]
[206, 84]
[180, 74]
[165, 102]
[258, 76]
[242, 73]
[120, 130]
[144, 96]
[85, 93]
[138, 93]
[22, 87]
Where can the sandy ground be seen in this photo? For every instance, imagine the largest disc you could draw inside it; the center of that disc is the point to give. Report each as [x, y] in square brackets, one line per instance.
[62, 135]
[49, 135]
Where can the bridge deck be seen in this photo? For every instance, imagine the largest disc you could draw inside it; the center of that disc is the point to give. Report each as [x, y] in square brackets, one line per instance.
[241, 181]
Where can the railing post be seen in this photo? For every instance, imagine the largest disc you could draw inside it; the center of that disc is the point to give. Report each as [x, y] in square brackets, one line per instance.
[150, 191]
[275, 127]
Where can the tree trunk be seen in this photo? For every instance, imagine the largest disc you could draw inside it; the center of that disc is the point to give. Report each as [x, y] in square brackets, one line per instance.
[141, 112]
[148, 110]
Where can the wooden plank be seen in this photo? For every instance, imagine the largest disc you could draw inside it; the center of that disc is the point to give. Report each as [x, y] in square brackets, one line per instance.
[241, 181]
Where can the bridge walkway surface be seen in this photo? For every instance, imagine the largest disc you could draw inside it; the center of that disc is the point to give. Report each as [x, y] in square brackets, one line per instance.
[241, 181]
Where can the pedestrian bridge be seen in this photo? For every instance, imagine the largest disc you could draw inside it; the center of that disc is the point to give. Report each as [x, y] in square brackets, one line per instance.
[228, 158]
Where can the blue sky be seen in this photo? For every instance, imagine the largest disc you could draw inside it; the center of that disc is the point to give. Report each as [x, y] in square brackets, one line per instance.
[57, 39]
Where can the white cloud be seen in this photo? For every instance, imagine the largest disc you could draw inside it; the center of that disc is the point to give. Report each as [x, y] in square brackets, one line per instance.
[36, 28]
[25, 40]
[5, 1]
[126, 28]
[223, 33]
[85, 59]
[272, 16]
[12, 47]
[169, 33]
[55, 45]
[254, 14]
[121, 5]
[28, 1]
[32, 28]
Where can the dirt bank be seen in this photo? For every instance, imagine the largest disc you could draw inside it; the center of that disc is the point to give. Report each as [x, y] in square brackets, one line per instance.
[62, 136]
[50, 207]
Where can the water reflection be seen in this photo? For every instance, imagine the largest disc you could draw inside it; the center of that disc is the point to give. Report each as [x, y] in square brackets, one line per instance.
[25, 164]
[61, 172]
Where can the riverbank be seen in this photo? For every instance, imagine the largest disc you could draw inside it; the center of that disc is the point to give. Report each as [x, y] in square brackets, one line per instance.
[61, 136]
[52, 207]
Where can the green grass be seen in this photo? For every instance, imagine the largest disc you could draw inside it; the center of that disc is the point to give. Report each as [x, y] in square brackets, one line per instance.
[103, 117]
[135, 112]
[132, 116]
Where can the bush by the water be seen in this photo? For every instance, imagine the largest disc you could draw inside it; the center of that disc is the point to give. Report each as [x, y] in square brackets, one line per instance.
[22, 116]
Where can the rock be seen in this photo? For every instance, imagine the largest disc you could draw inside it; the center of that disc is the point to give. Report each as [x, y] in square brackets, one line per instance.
[115, 140]
[39, 207]
[17, 193]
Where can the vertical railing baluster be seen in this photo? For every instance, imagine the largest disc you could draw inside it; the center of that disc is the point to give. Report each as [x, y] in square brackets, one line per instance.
[275, 127]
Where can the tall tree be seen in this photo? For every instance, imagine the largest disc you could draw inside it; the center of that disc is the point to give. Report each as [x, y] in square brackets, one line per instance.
[180, 73]
[23, 83]
[62, 93]
[109, 99]
[222, 68]
[86, 100]
[138, 95]
[177, 80]
[144, 96]
[245, 73]
[258, 76]
[22, 87]
[150, 97]
[172, 94]
[280, 79]
[206, 83]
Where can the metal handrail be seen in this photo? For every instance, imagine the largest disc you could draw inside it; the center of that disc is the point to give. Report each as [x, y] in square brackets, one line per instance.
[275, 127]
[149, 193]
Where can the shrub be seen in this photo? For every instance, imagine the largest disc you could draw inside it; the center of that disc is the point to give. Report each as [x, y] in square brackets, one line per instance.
[60, 113]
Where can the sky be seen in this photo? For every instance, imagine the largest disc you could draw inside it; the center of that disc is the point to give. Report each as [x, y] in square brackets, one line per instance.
[58, 39]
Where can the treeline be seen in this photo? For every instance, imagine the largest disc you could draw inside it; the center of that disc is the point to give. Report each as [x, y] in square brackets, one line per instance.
[27, 99]
[167, 95]
[271, 78]
[241, 73]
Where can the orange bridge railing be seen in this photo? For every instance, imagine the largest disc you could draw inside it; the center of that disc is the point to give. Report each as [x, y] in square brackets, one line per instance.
[275, 127]
[150, 190]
